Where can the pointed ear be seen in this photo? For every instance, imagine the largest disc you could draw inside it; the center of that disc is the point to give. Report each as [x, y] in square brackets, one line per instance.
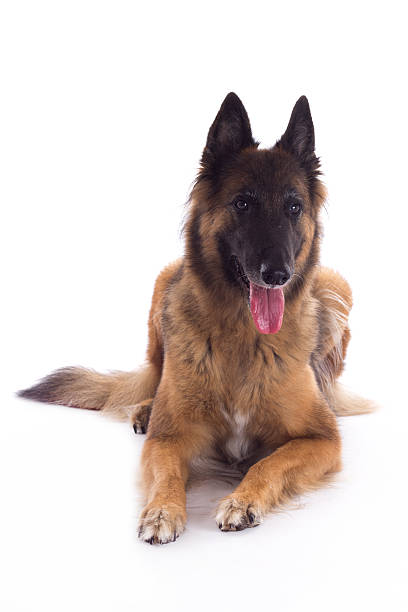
[230, 132]
[299, 137]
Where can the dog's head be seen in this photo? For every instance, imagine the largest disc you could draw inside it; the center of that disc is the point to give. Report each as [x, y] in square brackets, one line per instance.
[255, 211]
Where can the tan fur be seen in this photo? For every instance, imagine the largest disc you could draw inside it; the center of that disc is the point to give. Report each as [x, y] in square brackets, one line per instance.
[197, 398]
[213, 388]
[195, 403]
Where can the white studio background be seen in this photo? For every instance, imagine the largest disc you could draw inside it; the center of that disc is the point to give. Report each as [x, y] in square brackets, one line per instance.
[104, 111]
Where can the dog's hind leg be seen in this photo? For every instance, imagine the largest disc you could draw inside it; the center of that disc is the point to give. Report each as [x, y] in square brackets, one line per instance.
[334, 298]
[335, 301]
[139, 415]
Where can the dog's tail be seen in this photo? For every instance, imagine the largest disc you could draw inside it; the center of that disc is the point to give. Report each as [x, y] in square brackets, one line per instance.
[346, 403]
[81, 388]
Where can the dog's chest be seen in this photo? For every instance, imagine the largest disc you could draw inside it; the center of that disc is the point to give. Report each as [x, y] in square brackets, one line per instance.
[238, 443]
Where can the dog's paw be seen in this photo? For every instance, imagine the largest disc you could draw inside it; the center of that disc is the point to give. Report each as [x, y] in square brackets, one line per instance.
[139, 416]
[234, 514]
[160, 525]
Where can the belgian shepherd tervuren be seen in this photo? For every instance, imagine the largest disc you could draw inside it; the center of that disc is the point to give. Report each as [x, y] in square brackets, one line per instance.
[247, 336]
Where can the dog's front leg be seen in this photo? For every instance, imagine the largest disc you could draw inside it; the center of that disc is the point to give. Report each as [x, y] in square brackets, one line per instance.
[295, 467]
[165, 472]
[165, 468]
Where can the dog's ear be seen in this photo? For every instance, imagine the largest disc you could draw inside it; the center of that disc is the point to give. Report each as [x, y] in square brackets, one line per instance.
[230, 132]
[299, 137]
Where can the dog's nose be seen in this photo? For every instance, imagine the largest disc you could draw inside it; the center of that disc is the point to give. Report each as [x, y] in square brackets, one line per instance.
[274, 277]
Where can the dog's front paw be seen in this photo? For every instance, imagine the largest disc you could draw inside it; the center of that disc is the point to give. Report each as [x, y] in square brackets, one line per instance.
[160, 525]
[235, 514]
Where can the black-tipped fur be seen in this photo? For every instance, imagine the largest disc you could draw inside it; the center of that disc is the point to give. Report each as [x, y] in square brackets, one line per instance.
[299, 140]
[228, 135]
[65, 386]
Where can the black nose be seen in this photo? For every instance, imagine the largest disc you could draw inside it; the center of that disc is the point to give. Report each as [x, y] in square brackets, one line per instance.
[275, 277]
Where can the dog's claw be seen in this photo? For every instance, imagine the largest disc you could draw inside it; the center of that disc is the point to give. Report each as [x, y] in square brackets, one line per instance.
[234, 514]
[161, 525]
[139, 415]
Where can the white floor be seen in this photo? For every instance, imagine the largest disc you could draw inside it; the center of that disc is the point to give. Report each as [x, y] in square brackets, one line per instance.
[105, 108]
[70, 507]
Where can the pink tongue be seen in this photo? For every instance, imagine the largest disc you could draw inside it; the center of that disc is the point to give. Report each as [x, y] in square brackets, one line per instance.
[267, 307]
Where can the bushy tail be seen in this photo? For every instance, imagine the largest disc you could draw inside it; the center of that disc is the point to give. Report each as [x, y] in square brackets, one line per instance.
[346, 403]
[81, 388]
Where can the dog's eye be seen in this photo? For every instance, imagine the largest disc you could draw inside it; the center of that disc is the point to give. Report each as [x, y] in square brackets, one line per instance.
[294, 208]
[241, 204]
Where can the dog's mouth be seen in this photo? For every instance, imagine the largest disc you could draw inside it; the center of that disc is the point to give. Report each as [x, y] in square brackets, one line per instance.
[266, 304]
[240, 273]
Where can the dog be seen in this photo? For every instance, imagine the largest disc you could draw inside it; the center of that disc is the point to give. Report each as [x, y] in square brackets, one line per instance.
[247, 338]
